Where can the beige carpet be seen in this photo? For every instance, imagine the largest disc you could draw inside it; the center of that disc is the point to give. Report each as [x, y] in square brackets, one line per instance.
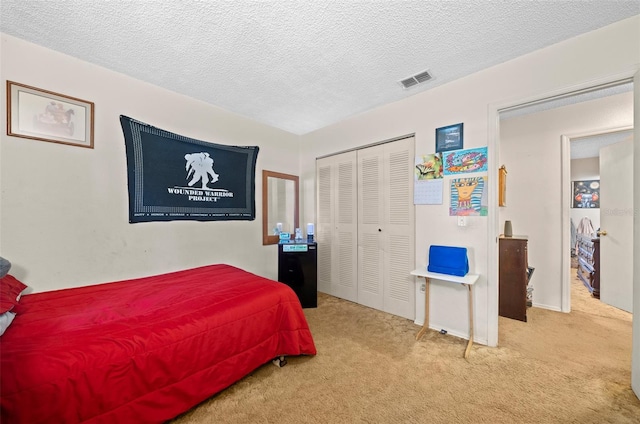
[556, 368]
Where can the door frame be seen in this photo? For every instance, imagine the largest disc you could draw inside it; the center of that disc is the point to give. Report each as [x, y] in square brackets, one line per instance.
[565, 198]
[493, 143]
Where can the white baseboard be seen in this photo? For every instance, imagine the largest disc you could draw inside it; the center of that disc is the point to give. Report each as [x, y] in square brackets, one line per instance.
[551, 308]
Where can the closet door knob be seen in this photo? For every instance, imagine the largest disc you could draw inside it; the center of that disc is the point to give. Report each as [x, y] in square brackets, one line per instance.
[601, 233]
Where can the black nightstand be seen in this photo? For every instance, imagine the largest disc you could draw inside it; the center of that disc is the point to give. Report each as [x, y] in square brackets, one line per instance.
[298, 268]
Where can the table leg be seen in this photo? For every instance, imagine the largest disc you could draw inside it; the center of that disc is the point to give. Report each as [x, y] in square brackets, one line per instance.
[425, 326]
[470, 343]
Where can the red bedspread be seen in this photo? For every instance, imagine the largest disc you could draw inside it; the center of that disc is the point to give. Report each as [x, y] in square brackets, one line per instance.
[144, 350]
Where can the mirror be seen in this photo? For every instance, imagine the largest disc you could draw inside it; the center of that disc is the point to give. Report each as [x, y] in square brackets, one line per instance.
[279, 205]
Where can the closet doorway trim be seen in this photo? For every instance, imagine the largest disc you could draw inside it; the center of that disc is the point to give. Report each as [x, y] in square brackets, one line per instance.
[390, 140]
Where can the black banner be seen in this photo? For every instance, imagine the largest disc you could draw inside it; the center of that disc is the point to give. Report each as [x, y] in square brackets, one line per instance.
[172, 177]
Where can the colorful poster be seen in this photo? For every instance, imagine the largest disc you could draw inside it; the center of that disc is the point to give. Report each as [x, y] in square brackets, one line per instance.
[586, 194]
[428, 167]
[469, 197]
[465, 161]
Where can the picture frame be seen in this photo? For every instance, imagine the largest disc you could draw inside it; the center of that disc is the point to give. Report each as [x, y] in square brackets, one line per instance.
[449, 138]
[44, 115]
[502, 186]
[586, 194]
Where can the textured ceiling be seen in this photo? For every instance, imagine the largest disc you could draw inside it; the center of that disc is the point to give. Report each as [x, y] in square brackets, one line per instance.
[302, 65]
[583, 147]
[589, 147]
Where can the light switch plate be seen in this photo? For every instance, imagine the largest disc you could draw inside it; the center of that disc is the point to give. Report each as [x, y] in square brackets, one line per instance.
[462, 221]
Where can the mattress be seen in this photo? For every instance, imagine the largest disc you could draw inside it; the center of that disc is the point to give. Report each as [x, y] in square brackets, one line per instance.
[146, 349]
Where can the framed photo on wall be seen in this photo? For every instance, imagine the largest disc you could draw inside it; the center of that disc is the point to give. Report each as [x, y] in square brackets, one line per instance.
[47, 116]
[449, 138]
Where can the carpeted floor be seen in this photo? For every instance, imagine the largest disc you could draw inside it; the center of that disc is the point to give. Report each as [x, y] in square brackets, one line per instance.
[556, 368]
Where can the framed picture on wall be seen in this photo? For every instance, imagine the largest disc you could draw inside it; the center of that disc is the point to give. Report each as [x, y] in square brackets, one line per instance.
[586, 194]
[449, 138]
[47, 116]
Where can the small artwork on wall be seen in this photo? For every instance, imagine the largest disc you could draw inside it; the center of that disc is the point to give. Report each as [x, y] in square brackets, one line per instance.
[429, 166]
[586, 194]
[465, 161]
[449, 138]
[44, 115]
[468, 197]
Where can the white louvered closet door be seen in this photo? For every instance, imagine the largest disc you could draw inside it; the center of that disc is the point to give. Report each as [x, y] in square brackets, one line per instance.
[337, 225]
[324, 224]
[399, 220]
[371, 233]
[346, 218]
[386, 235]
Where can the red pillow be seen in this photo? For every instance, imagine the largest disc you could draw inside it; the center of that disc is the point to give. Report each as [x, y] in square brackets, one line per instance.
[10, 289]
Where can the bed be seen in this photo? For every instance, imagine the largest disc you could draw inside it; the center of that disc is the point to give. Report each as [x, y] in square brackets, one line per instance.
[143, 350]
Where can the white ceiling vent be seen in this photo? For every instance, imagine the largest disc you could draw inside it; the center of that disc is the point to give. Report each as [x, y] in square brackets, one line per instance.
[416, 79]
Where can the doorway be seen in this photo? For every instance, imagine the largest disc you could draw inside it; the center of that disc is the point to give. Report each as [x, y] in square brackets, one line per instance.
[539, 195]
[602, 159]
[495, 155]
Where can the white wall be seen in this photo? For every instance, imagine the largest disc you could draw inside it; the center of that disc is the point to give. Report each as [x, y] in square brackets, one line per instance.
[64, 209]
[530, 147]
[589, 169]
[607, 51]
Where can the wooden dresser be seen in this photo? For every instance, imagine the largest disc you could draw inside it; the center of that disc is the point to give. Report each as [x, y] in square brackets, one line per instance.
[588, 251]
[513, 277]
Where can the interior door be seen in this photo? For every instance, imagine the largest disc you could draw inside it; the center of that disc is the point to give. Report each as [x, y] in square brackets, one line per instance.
[616, 218]
[371, 229]
[324, 225]
[337, 225]
[386, 223]
[399, 285]
[345, 275]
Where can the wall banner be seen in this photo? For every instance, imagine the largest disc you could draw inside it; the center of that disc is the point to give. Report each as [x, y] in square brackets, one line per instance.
[172, 177]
